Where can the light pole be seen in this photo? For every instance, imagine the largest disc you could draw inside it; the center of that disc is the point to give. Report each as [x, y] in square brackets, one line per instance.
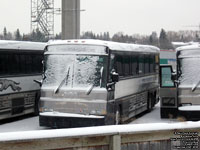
[70, 19]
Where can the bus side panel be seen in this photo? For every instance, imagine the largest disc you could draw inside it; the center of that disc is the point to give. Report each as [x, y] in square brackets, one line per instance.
[19, 96]
[132, 95]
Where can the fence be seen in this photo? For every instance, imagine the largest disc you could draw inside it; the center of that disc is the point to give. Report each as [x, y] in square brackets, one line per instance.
[159, 136]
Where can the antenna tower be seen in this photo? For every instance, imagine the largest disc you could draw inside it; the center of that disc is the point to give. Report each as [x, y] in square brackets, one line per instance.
[42, 16]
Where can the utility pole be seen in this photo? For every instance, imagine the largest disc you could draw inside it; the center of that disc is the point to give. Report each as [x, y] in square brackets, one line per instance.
[70, 19]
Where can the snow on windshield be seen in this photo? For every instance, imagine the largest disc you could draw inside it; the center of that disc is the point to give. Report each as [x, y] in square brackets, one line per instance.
[190, 71]
[82, 71]
[56, 68]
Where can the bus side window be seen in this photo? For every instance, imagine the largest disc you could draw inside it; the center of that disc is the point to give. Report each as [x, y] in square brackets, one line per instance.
[152, 62]
[29, 64]
[15, 66]
[141, 64]
[156, 65]
[119, 65]
[146, 64]
[2, 65]
[7, 64]
[126, 66]
[134, 65]
[22, 64]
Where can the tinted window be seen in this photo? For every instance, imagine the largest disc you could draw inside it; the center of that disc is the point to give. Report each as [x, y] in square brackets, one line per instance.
[119, 65]
[152, 64]
[141, 64]
[126, 61]
[134, 65]
[15, 63]
[146, 64]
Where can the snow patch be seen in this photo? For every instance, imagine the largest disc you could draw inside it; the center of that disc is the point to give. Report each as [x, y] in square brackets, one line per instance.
[111, 45]
[189, 108]
[24, 45]
[70, 115]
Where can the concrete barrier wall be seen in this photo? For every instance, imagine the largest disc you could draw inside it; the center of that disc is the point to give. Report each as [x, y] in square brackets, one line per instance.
[174, 136]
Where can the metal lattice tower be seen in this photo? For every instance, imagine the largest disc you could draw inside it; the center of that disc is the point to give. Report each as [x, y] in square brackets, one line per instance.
[42, 16]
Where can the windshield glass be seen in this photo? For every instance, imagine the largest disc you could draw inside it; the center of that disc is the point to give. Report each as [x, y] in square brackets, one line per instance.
[189, 71]
[75, 71]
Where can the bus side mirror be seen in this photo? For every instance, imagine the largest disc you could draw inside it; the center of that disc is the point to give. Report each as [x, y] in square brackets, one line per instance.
[115, 77]
[173, 76]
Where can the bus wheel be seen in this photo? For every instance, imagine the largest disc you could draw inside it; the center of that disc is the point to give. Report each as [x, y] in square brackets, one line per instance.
[117, 117]
[36, 107]
[163, 113]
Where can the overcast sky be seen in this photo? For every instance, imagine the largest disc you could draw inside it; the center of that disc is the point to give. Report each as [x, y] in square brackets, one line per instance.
[127, 16]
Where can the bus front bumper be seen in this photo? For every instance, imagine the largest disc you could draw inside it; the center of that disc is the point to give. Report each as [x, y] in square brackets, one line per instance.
[69, 120]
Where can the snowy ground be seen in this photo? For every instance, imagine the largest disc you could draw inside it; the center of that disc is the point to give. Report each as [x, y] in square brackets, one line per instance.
[24, 124]
[32, 123]
[153, 117]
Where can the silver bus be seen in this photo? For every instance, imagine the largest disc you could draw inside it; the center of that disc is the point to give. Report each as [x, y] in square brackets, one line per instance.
[93, 82]
[180, 90]
[20, 69]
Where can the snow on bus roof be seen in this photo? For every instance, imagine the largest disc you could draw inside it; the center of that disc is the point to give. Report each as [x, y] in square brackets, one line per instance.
[194, 46]
[111, 45]
[23, 45]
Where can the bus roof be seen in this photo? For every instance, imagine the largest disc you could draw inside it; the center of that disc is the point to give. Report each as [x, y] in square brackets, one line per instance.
[189, 47]
[115, 46]
[21, 45]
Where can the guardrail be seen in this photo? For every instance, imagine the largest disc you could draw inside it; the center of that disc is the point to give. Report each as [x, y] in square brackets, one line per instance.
[158, 136]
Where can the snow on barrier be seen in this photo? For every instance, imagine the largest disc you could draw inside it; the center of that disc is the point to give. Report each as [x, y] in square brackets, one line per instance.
[157, 136]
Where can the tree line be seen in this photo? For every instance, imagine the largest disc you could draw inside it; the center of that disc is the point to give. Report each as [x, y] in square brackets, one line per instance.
[163, 40]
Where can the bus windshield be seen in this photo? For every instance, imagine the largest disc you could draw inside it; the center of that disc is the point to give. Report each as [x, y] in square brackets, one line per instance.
[75, 71]
[189, 72]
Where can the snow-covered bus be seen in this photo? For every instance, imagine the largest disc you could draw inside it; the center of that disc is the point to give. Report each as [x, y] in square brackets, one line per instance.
[20, 69]
[180, 90]
[93, 82]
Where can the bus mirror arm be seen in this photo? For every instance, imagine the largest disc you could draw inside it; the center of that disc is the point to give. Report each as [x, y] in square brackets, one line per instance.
[109, 86]
[177, 82]
[173, 76]
[39, 82]
[115, 77]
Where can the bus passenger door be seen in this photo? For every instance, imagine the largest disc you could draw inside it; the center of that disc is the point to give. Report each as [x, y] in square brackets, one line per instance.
[168, 93]
[111, 117]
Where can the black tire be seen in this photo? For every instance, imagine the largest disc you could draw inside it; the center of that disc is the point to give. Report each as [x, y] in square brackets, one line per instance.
[149, 103]
[36, 107]
[163, 113]
[168, 112]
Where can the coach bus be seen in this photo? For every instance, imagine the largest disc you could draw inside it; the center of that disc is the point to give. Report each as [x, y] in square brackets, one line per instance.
[94, 82]
[20, 74]
[180, 90]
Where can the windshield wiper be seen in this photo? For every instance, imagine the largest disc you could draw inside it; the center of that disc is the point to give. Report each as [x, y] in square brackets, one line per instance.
[196, 85]
[90, 89]
[63, 81]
